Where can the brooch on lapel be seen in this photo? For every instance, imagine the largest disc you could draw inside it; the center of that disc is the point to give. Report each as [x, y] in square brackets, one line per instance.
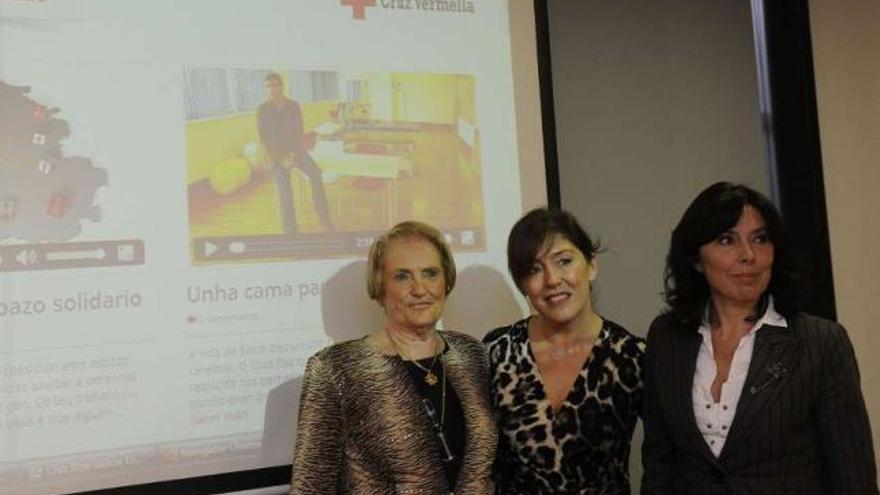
[776, 372]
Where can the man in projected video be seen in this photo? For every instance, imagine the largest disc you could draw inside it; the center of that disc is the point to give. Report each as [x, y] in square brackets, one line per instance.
[280, 124]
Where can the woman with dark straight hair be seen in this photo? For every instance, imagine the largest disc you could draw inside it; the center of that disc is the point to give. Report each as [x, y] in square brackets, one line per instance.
[566, 382]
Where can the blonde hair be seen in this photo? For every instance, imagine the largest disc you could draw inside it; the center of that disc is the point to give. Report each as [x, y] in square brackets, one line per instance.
[403, 231]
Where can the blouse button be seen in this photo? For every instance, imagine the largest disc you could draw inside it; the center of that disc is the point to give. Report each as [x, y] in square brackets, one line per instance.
[723, 427]
[708, 406]
[724, 407]
[709, 425]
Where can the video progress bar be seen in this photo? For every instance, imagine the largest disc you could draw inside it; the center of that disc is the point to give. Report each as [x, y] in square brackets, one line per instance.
[311, 246]
[281, 246]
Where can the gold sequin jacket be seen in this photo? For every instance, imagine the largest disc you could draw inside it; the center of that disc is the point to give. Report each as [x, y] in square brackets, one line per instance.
[362, 428]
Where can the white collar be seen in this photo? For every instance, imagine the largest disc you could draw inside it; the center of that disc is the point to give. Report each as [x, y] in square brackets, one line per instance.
[770, 317]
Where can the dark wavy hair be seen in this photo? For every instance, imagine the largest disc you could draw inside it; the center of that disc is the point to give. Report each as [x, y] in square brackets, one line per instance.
[714, 211]
[531, 233]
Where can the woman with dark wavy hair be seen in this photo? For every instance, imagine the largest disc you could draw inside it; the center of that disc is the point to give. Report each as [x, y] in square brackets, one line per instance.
[744, 393]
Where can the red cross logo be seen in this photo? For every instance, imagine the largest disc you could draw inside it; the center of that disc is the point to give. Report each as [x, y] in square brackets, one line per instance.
[359, 7]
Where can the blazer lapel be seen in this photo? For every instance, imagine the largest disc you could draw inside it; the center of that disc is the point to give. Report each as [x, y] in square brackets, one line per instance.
[773, 359]
[476, 410]
[408, 407]
[408, 450]
[686, 367]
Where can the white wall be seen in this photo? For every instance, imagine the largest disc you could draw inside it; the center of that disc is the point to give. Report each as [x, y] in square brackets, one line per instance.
[846, 51]
[654, 99]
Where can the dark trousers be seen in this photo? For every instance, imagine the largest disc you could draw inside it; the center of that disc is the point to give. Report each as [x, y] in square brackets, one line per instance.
[286, 206]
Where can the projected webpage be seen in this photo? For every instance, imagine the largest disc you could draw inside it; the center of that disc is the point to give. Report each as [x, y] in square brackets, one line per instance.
[188, 190]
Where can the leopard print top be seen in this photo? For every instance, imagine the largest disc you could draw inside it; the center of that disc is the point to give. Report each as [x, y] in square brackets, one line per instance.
[583, 448]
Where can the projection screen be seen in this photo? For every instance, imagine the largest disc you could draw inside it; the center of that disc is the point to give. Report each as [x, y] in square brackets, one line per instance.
[165, 274]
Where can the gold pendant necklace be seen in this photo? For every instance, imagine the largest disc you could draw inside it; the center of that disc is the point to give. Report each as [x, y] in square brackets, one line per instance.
[430, 377]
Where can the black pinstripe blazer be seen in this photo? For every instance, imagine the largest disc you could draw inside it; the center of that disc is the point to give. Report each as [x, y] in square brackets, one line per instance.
[800, 427]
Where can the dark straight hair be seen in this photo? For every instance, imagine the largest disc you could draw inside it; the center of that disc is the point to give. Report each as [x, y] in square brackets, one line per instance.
[531, 233]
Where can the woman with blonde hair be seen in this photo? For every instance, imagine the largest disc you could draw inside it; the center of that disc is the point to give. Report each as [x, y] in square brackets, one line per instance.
[405, 409]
